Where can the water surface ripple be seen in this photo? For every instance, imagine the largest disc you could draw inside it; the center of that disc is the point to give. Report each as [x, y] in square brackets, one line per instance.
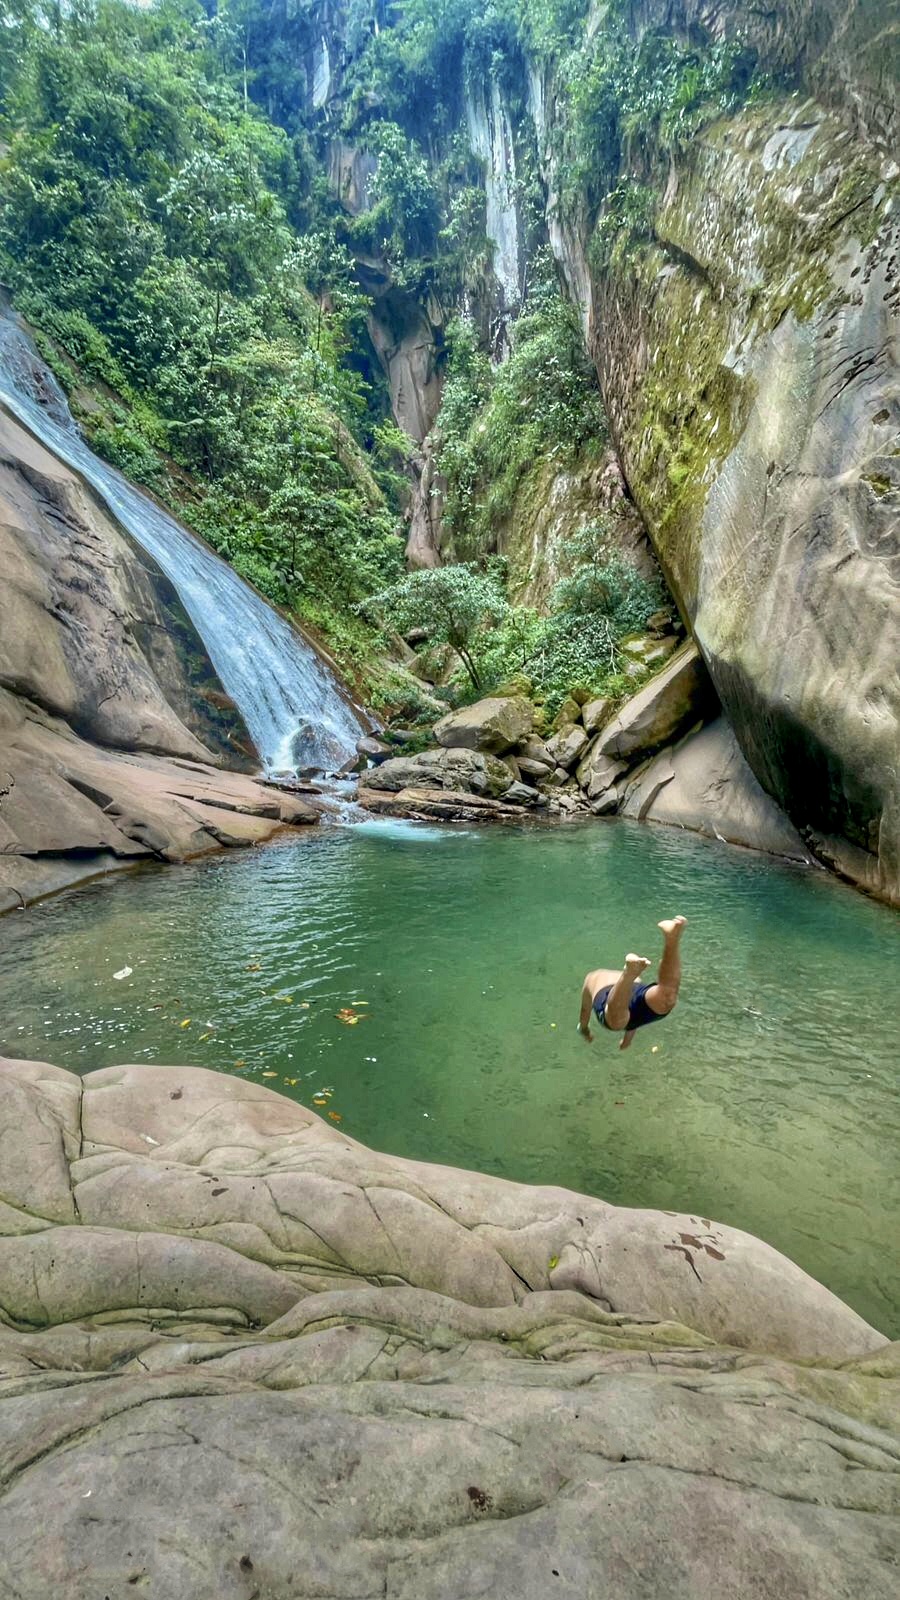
[770, 1101]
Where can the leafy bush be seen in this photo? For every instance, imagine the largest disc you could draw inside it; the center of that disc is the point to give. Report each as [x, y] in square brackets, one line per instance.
[455, 605]
[543, 403]
[146, 224]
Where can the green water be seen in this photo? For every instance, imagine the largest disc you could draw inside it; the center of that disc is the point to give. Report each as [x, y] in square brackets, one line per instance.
[769, 1102]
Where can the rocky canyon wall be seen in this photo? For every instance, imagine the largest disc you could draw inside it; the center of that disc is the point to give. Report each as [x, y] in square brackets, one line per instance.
[747, 345]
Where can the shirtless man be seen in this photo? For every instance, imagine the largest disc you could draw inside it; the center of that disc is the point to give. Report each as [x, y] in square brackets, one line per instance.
[621, 1002]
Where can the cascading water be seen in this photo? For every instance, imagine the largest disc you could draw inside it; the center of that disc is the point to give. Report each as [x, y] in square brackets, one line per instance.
[289, 699]
[490, 135]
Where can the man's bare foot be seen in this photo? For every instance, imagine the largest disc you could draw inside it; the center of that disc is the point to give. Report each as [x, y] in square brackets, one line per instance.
[673, 925]
[635, 965]
[586, 1034]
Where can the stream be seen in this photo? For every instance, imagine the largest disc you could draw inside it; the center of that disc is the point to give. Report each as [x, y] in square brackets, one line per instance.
[767, 1100]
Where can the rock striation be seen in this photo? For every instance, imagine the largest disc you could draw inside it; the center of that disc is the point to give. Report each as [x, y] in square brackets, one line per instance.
[242, 1354]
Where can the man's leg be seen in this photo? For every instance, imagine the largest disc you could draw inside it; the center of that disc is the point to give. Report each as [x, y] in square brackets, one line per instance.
[617, 1005]
[662, 995]
[593, 983]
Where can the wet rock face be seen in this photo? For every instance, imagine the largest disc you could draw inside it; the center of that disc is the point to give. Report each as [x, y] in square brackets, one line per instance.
[110, 712]
[243, 1353]
[749, 361]
[90, 630]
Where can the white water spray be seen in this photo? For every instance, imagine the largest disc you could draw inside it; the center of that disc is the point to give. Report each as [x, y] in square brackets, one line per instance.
[287, 695]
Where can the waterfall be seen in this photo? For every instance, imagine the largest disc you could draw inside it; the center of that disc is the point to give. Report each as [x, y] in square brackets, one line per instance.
[291, 702]
[490, 134]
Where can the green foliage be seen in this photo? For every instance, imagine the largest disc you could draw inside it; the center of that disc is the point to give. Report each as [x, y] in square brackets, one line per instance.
[402, 218]
[600, 602]
[543, 403]
[147, 225]
[626, 102]
[454, 604]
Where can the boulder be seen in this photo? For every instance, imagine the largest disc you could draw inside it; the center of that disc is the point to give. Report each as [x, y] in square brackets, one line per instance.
[706, 785]
[535, 749]
[442, 805]
[569, 712]
[567, 745]
[373, 750]
[677, 698]
[364, 1375]
[648, 651]
[595, 713]
[661, 623]
[457, 770]
[536, 770]
[523, 794]
[597, 772]
[493, 725]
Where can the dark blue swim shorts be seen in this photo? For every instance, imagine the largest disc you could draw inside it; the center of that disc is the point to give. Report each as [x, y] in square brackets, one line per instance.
[639, 1013]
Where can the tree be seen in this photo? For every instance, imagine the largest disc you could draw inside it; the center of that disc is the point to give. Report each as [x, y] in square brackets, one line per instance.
[453, 604]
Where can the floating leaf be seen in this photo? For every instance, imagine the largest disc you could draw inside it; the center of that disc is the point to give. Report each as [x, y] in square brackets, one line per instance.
[254, 966]
[553, 1262]
[304, 1005]
[335, 1116]
[186, 1023]
[268, 1074]
[319, 1100]
[202, 1037]
[291, 1081]
[285, 999]
[125, 973]
[241, 1063]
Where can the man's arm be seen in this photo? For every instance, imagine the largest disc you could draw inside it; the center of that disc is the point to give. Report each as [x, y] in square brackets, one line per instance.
[587, 1006]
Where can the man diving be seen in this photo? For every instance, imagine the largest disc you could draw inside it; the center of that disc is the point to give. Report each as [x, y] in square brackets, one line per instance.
[621, 1002]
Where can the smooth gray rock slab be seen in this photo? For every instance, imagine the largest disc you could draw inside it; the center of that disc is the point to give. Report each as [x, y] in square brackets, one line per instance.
[250, 1357]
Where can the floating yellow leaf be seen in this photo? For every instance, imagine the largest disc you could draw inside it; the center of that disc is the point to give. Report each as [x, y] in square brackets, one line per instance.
[319, 1100]
[268, 1074]
[304, 1004]
[254, 966]
[186, 1023]
[241, 1063]
[291, 1081]
[285, 999]
[553, 1262]
[335, 1116]
[203, 1036]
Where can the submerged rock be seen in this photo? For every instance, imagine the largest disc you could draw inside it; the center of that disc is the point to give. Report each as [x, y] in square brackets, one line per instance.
[243, 1351]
